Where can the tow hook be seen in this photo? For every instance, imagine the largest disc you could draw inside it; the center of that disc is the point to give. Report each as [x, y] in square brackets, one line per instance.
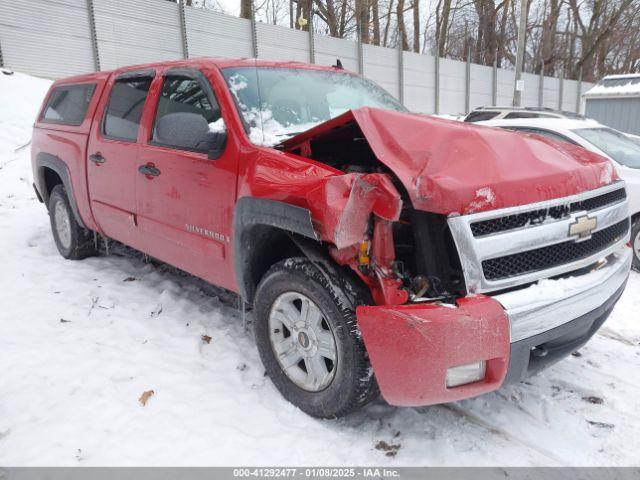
[539, 352]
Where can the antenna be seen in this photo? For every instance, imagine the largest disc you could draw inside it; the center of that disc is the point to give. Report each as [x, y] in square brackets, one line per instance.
[338, 64]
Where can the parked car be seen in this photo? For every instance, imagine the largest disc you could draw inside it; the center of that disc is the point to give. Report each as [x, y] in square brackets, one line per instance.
[379, 250]
[634, 138]
[482, 114]
[622, 149]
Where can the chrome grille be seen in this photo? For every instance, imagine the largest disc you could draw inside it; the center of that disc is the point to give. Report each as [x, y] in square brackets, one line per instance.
[557, 212]
[553, 255]
[512, 251]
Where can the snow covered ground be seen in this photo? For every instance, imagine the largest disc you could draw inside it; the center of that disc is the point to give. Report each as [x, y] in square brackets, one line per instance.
[80, 342]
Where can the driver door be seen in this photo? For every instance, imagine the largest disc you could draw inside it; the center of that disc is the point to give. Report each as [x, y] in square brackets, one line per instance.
[185, 199]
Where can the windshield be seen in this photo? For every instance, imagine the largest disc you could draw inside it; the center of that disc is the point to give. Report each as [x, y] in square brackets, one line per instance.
[615, 144]
[278, 103]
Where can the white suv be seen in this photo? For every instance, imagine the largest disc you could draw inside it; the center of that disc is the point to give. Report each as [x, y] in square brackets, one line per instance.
[482, 114]
[622, 149]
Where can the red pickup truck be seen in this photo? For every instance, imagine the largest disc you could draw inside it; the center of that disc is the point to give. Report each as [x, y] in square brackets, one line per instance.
[380, 251]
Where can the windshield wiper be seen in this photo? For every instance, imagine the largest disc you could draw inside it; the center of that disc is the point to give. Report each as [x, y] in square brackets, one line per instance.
[289, 134]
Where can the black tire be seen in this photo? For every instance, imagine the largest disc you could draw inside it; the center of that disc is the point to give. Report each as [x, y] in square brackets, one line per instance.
[353, 384]
[635, 243]
[80, 242]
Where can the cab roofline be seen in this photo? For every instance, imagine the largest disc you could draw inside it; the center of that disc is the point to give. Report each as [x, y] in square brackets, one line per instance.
[204, 62]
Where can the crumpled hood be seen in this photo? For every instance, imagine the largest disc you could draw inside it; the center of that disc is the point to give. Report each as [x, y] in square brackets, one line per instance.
[453, 167]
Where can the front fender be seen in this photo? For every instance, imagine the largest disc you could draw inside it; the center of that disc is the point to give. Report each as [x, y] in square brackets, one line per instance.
[250, 213]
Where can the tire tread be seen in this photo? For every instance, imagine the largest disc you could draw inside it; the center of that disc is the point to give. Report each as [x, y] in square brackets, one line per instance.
[82, 241]
[347, 295]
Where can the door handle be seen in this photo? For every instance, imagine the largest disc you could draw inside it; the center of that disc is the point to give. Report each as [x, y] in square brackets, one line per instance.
[97, 158]
[149, 170]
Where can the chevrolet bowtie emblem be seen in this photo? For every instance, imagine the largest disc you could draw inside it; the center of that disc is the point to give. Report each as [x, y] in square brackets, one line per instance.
[583, 226]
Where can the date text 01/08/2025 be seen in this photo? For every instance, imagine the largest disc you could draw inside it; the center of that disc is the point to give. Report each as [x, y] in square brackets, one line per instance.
[316, 472]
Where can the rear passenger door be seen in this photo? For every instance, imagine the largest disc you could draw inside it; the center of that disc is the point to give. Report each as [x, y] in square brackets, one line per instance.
[112, 155]
[185, 198]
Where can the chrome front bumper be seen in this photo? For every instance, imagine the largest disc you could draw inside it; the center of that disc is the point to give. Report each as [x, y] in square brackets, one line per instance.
[551, 303]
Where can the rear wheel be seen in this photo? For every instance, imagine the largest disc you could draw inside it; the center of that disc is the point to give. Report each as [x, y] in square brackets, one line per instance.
[309, 342]
[73, 241]
[635, 243]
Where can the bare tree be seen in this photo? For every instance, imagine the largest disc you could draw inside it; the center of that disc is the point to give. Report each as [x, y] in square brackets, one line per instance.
[327, 12]
[402, 31]
[416, 25]
[375, 13]
[387, 26]
[596, 37]
[443, 11]
[245, 8]
[605, 16]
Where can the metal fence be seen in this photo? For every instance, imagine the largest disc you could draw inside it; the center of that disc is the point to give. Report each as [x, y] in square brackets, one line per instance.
[57, 38]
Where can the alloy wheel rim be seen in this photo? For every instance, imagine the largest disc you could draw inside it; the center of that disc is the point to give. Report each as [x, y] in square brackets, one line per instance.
[302, 341]
[63, 225]
[636, 245]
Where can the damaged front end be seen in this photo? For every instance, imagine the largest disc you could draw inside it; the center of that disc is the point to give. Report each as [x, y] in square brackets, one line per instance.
[368, 215]
[421, 330]
[355, 213]
[400, 253]
[430, 338]
[425, 354]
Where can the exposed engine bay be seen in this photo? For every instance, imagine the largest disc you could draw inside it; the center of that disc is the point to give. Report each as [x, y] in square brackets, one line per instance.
[424, 259]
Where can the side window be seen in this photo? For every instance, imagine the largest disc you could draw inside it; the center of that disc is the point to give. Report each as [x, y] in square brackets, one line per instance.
[68, 104]
[187, 116]
[513, 115]
[124, 111]
[481, 116]
[546, 133]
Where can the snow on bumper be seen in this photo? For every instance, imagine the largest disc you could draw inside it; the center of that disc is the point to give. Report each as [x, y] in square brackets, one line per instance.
[411, 347]
[551, 303]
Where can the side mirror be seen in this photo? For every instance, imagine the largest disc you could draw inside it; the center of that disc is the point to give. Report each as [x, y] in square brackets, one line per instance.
[217, 142]
[190, 131]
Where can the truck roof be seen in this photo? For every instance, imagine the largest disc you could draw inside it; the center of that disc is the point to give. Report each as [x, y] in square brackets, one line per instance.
[202, 62]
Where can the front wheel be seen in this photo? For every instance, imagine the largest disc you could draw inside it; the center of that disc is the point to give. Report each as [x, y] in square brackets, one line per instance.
[309, 342]
[635, 243]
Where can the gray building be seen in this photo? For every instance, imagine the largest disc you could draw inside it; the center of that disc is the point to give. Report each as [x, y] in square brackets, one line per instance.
[615, 101]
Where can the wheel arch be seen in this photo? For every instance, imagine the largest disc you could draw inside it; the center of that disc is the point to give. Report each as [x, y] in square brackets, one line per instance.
[265, 232]
[51, 171]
